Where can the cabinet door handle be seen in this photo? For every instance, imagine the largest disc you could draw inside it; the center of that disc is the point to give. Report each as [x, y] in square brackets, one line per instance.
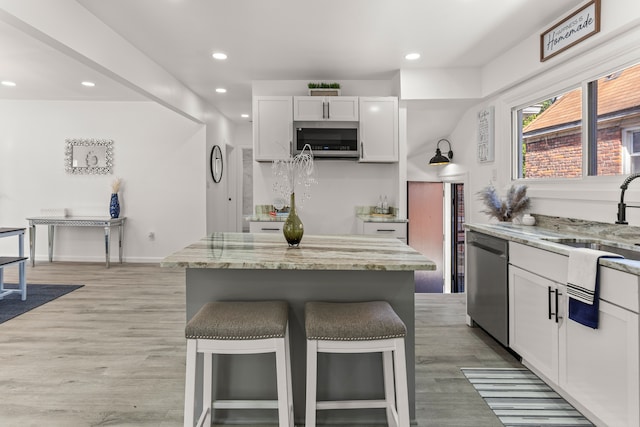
[549, 301]
[361, 150]
[328, 111]
[389, 230]
[557, 306]
[323, 107]
[269, 229]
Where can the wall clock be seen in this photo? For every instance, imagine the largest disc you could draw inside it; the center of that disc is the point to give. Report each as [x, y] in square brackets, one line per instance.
[216, 164]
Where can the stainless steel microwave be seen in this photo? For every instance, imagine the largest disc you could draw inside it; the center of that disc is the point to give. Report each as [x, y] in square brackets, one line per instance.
[328, 142]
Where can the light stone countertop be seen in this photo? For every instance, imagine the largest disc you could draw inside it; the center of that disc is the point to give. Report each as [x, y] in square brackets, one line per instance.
[266, 218]
[380, 218]
[551, 240]
[316, 252]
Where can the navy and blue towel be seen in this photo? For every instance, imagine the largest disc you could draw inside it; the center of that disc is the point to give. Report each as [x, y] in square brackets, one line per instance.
[583, 285]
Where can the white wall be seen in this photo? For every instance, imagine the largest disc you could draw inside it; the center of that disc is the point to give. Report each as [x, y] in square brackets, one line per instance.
[342, 185]
[220, 131]
[589, 198]
[157, 153]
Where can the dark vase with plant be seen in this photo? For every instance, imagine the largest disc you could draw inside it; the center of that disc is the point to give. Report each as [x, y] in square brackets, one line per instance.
[114, 204]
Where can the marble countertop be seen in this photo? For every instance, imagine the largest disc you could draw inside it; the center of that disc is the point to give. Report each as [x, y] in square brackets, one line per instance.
[326, 252]
[266, 218]
[551, 240]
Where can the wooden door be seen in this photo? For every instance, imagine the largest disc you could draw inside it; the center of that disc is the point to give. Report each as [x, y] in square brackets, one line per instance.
[425, 231]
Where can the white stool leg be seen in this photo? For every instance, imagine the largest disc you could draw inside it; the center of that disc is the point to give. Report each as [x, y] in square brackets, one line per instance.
[190, 384]
[312, 371]
[287, 350]
[282, 382]
[207, 373]
[400, 364]
[389, 388]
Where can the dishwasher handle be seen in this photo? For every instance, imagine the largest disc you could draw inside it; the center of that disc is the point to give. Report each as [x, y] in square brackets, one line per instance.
[495, 251]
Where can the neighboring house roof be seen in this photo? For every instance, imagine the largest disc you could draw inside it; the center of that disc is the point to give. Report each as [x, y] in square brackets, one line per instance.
[617, 92]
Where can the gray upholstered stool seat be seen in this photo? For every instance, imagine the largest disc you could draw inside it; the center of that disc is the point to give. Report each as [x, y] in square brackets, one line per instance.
[355, 321]
[250, 327]
[239, 320]
[358, 327]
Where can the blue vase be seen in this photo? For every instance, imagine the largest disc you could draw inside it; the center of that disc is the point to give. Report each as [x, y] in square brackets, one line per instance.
[114, 206]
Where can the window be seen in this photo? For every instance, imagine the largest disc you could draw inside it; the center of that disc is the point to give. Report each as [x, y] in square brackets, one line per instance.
[631, 150]
[550, 133]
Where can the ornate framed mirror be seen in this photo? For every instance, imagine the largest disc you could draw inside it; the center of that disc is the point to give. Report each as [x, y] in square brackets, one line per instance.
[89, 156]
[216, 163]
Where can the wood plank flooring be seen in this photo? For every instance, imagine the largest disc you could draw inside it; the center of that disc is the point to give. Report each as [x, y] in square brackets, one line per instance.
[112, 353]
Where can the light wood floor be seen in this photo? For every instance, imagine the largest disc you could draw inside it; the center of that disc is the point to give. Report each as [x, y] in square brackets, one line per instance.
[112, 353]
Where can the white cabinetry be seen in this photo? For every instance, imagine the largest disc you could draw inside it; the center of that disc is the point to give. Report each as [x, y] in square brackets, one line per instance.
[600, 367]
[378, 129]
[329, 108]
[272, 127]
[266, 226]
[598, 370]
[384, 229]
[534, 329]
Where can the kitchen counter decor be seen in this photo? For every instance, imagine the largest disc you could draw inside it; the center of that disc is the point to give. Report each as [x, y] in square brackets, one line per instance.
[514, 205]
[289, 172]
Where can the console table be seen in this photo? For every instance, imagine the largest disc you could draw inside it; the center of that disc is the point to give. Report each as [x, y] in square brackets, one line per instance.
[10, 260]
[52, 222]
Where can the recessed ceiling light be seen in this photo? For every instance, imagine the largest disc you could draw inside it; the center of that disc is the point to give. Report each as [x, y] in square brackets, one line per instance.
[412, 56]
[8, 83]
[88, 84]
[219, 55]
[221, 90]
[244, 116]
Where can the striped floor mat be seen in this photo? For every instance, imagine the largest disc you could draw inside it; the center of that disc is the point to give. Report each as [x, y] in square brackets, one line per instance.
[519, 398]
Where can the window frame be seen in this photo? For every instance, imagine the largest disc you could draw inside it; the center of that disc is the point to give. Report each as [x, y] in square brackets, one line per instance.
[588, 84]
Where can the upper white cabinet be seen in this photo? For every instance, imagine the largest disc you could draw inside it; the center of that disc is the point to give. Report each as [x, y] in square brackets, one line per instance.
[272, 127]
[329, 108]
[378, 129]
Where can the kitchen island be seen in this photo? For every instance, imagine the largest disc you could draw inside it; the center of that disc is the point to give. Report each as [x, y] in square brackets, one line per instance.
[246, 266]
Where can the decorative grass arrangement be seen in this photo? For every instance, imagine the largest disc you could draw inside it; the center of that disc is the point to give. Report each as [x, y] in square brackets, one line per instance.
[512, 206]
[323, 85]
[115, 185]
[297, 170]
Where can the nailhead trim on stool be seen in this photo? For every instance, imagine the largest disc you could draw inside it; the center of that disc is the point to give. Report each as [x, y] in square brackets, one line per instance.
[246, 327]
[360, 327]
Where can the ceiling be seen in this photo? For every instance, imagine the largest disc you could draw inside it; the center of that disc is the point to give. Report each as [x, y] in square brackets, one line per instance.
[331, 40]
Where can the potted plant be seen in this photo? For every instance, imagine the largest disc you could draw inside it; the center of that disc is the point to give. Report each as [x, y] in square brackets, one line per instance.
[324, 89]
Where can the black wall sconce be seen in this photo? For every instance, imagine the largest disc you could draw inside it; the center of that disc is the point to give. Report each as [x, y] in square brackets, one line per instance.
[439, 159]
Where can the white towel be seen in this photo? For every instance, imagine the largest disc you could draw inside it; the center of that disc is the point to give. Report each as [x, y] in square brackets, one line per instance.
[583, 273]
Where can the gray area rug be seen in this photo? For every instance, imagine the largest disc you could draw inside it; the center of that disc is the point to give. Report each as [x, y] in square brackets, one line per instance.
[37, 295]
[519, 398]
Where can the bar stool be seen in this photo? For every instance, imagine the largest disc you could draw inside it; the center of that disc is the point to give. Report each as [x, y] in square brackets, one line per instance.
[360, 327]
[250, 327]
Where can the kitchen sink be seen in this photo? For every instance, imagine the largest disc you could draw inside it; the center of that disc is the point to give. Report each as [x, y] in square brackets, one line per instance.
[628, 253]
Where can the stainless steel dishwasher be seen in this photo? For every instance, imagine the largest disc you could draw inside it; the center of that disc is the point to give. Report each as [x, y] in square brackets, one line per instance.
[487, 284]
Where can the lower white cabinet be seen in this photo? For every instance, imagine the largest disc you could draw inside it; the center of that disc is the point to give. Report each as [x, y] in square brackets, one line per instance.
[385, 229]
[266, 226]
[534, 319]
[598, 370]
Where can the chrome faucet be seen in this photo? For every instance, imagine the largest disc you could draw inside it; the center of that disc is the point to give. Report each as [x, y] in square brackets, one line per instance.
[622, 208]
